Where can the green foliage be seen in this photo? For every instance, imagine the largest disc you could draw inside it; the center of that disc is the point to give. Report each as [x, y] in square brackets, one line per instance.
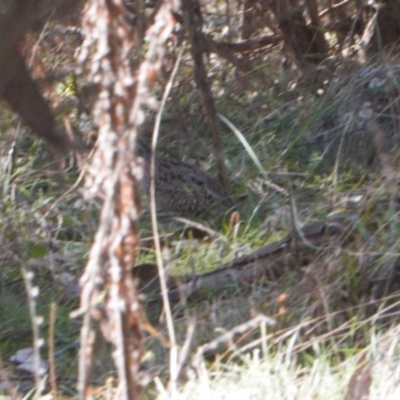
[37, 251]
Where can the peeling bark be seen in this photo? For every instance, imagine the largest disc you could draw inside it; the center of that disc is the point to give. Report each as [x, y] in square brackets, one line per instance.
[114, 176]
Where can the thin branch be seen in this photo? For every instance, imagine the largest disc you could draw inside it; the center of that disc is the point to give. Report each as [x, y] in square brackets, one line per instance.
[161, 270]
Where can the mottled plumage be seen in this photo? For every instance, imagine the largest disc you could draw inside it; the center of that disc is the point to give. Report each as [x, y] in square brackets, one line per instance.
[183, 187]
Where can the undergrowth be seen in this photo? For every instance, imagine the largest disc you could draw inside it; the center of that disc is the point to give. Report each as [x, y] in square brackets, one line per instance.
[327, 324]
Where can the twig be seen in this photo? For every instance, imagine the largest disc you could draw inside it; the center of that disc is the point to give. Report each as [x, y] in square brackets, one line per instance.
[161, 270]
[52, 365]
[213, 345]
[197, 225]
[193, 24]
[36, 321]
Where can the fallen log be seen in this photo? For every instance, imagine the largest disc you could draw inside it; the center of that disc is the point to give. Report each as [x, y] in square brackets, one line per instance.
[265, 264]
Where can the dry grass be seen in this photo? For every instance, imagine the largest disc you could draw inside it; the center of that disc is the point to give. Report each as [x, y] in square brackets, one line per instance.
[279, 366]
[326, 311]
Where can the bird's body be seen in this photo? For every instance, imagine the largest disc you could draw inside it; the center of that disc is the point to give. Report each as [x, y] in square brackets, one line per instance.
[182, 187]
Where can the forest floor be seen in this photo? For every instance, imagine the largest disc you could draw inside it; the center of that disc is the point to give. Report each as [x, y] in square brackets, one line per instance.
[324, 330]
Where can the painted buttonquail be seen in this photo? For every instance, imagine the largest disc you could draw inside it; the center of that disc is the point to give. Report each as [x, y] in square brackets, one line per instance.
[182, 187]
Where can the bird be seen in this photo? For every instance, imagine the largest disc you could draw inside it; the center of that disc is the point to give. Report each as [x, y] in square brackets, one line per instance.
[182, 187]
